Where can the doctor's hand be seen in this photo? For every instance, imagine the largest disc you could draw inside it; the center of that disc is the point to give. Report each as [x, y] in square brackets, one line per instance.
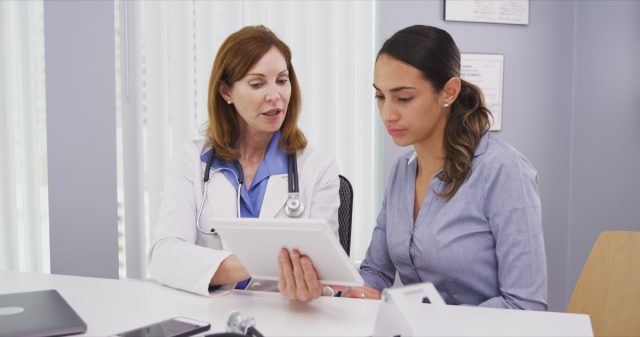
[298, 279]
[230, 270]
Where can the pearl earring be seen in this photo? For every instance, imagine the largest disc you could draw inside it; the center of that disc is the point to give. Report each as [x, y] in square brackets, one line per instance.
[446, 105]
[228, 102]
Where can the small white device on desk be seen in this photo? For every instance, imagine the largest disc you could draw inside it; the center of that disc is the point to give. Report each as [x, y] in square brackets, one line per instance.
[398, 314]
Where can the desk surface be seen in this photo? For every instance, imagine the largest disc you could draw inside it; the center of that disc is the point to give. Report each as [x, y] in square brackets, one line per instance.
[111, 306]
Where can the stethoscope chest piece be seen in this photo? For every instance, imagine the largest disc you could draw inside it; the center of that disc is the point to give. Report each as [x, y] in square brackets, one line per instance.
[294, 207]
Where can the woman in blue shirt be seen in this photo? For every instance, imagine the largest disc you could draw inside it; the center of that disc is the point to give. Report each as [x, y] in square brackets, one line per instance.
[462, 209]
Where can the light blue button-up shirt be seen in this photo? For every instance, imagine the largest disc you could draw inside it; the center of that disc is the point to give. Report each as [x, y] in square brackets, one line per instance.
[273, 163]
[482, 247]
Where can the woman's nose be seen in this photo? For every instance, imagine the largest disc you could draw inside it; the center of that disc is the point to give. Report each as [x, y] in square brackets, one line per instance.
[273, 94]
[387, 113]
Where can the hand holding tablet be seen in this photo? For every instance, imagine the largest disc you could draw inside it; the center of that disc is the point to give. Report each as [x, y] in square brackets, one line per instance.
[258, 243]
[298, 278]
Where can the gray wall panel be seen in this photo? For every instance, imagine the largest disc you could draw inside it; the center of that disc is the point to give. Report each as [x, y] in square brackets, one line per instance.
[81, 137]
[606, 188]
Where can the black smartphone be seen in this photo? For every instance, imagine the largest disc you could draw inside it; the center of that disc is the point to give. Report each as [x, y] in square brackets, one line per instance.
[174, 327]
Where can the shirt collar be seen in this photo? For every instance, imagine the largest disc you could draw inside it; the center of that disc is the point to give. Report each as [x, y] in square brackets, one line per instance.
[217, 162]
[413, 157]
[274, 161]
[482, 144]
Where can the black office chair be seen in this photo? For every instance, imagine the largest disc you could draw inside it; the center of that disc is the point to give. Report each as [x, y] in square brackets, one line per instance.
[345, 213]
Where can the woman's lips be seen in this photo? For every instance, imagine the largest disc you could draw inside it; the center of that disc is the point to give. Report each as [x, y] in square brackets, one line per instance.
[272, 114]
[396, 132]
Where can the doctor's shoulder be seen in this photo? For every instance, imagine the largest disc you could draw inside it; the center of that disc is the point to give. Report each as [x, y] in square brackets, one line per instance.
[186, 157]
[312, 159]
[191, 149]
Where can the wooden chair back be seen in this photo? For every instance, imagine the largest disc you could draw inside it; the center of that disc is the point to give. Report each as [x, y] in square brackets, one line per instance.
[608, 289]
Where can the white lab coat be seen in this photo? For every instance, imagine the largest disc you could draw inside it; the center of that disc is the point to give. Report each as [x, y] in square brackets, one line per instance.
[184, 258]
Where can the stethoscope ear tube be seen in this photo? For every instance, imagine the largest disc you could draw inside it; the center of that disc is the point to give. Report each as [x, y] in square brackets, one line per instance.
[294, 206]
[208, 168]
[292, 163]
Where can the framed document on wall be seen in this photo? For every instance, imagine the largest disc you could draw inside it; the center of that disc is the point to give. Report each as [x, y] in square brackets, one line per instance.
[486, 71]
[514, 12]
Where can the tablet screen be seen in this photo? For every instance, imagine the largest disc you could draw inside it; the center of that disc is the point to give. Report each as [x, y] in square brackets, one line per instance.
[257, 243]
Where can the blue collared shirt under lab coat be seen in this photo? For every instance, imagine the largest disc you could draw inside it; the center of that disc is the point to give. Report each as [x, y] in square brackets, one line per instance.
[274, 162]
[482, 247]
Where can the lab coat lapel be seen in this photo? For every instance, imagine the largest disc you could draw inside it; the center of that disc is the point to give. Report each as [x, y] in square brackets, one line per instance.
[275, 196]
[221, 197]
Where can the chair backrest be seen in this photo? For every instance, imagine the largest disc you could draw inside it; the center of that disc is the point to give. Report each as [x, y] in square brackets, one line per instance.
[608, 288]
[345, 213]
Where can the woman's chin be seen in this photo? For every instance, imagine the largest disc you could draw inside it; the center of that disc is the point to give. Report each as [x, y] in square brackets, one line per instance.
[271, 128]
[401, 141]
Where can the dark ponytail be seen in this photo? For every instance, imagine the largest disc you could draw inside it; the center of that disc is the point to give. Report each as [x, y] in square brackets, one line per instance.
[468, 120]
[433, 51]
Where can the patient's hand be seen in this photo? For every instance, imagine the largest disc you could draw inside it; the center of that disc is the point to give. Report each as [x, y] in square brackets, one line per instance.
[359, 292]
[298, 279]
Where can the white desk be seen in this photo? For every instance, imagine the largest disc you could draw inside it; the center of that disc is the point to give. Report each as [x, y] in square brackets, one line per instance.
[111, 306]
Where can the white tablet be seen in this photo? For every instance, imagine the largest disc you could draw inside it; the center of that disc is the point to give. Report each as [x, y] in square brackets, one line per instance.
[257, 243]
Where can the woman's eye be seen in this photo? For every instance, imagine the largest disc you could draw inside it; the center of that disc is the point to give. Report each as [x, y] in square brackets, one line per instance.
[378, 97]
[255, 85]
[404, 99]
[282, 81]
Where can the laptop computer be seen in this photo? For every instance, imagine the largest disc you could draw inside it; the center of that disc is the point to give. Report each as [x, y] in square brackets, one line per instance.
[38, 313]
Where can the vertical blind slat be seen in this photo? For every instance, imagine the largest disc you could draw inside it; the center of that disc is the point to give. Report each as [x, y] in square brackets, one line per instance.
[23, 176]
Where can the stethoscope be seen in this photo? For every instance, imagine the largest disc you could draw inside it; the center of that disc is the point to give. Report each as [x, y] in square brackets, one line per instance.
[238, 326]
[293, 208]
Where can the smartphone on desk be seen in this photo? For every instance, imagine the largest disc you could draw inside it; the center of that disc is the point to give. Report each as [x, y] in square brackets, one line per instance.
[174, 327]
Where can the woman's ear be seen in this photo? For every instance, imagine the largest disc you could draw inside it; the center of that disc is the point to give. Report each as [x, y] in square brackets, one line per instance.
[451, 90]
[225, 91]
